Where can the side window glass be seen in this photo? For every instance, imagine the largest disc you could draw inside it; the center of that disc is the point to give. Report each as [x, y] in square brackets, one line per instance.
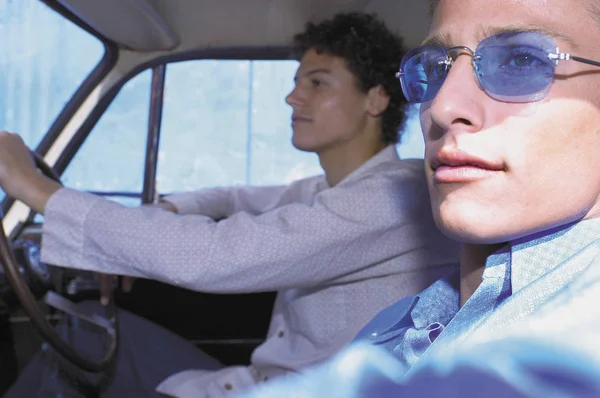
[412, 145]
[227, 123]
[111, 160]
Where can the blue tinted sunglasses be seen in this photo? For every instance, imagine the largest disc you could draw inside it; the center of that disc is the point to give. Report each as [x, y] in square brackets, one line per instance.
[510, 67]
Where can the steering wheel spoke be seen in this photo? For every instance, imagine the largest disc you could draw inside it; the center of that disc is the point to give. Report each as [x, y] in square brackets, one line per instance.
[65, 305]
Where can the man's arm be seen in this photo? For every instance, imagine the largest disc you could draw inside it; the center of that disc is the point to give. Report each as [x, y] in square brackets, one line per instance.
[221, 202]
[344, 230]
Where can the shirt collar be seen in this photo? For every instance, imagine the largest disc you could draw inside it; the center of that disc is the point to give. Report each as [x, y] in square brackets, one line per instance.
[440, 301]
[387, 154]
[538, 254]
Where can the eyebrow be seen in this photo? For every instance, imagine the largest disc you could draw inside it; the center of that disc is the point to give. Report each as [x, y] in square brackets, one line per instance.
[443, 40]
[313, 72]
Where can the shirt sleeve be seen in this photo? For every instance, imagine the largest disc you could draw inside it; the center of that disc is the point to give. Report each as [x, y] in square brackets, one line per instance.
[221, 202]
[344, 229]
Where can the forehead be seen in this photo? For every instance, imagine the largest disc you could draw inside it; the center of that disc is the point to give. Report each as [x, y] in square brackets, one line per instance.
[320, 61]
[466, 22]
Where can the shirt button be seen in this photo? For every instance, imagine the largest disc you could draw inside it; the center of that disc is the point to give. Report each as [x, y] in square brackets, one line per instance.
[281, 333]
[228, 386]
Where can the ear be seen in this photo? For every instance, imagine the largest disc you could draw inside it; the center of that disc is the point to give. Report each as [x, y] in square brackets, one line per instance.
[377, 101]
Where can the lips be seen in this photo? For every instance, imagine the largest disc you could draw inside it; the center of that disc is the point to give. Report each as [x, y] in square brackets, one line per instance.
[455, 166]
[457, 158]
[300, 119]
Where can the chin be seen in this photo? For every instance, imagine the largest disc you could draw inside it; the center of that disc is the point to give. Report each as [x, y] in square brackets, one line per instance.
[487, 227]
[469, 226]
[303, 145]
[467, 234]
[304, 148]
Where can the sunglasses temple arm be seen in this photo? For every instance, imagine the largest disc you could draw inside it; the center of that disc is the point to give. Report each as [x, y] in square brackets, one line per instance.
[585, 61]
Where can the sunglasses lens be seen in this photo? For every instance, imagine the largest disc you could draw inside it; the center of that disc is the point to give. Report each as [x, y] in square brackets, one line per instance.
[423, 72]
[515, 67]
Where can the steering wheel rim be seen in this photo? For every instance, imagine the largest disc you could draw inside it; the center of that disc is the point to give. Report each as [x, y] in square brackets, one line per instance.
[29, 304]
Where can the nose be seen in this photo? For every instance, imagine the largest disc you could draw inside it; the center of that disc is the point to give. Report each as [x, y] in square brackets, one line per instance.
[460, 101]
[295, 97]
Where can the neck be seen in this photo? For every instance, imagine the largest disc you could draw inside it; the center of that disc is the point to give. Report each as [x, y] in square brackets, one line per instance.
[472, 263]
[339, 161]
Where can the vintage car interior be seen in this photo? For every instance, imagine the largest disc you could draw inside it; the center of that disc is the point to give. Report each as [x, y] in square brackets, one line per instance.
[136, 99]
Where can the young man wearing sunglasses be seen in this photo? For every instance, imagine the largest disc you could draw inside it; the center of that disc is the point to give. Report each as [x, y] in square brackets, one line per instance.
[510, 112]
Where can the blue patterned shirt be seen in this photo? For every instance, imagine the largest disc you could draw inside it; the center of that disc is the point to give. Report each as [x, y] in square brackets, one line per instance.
[509, 338]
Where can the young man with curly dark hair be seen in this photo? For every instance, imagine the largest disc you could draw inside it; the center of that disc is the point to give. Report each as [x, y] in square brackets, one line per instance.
[337, 247]
[370, 53]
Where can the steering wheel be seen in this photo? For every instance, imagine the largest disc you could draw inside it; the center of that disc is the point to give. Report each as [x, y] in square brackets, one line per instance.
[29, 304]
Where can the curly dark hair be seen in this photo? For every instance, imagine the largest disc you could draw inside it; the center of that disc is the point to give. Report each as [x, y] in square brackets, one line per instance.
[372, 53]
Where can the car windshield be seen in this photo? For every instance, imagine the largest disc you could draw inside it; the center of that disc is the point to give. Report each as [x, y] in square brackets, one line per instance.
[45, 58]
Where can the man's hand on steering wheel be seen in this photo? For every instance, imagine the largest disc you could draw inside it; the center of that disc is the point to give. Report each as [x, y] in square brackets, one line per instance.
[19, 177]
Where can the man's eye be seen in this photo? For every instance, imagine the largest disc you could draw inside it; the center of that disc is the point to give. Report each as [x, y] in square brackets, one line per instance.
[524, 57]
[316, 82]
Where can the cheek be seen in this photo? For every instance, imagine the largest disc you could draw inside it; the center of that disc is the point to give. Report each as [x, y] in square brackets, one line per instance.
[339, 114]
[560, 136]
[331, 105]
[555, 158]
